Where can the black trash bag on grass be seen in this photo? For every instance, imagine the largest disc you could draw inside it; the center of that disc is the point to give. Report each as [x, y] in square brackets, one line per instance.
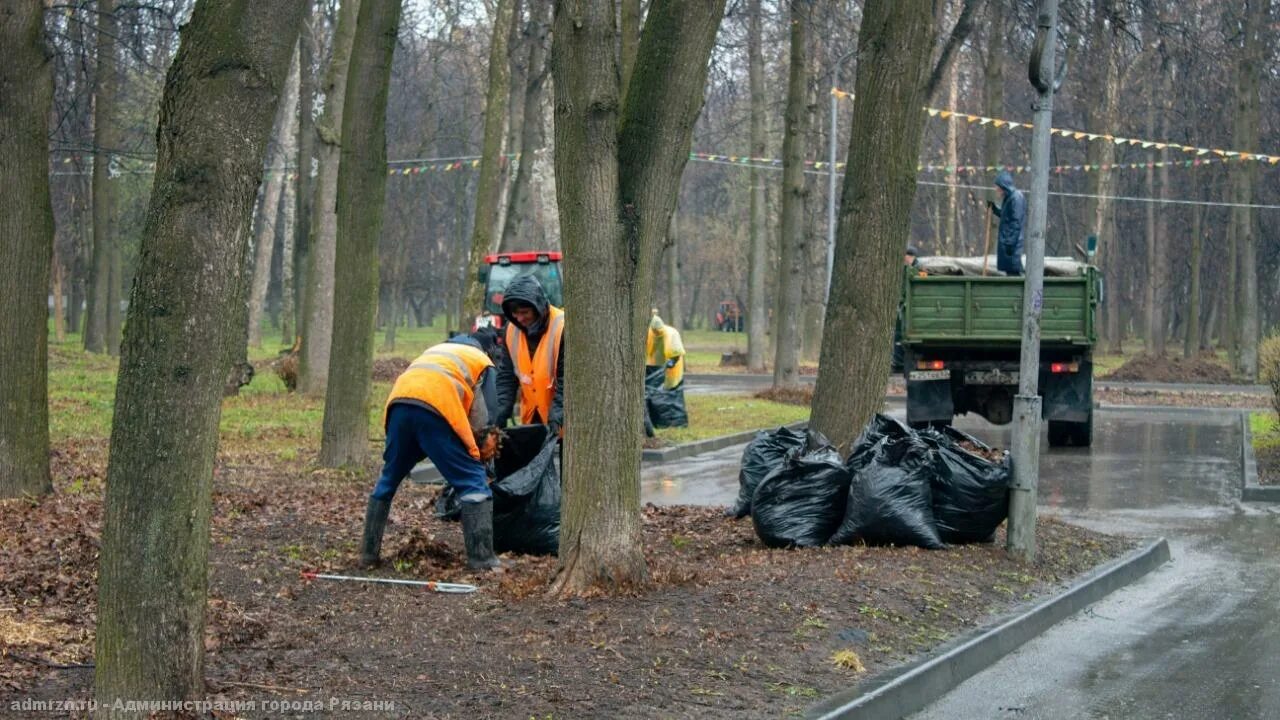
[970, 492]
[890, 500]
[666, 407]
[801, 503]
[762, 456]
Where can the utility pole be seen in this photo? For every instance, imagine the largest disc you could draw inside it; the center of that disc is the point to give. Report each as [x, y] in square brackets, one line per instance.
[1026, 405]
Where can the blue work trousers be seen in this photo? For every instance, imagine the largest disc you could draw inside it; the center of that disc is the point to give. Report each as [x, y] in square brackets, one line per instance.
[414, 433]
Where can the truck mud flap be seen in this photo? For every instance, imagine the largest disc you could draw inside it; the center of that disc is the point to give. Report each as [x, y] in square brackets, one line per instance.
[1068, 396]
[929, 400]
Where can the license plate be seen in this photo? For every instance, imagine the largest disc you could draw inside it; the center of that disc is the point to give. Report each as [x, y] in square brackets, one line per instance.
[929, 375]
[991, 377]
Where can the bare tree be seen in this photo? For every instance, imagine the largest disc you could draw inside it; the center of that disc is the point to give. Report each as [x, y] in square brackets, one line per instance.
[362, 182]
[758, 253]
[220, 96]
[519, 228]
[106, 141]
[26, 248]
[618, 167]
[894, 43]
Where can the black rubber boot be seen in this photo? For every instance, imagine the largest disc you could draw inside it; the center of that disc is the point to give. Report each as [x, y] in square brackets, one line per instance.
[477, 533]
[375, 523]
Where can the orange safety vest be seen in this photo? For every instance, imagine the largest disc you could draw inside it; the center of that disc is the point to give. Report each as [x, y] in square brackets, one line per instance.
[537, 374]
[444, 377]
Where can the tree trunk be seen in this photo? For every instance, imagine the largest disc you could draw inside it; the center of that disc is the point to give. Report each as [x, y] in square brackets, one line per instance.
[275, 198]
[317, 332]
[115, 286]
[1245, 138]
[26, 251]
[289, 196]
[488, 186]
[59, 287]
[951, 245]
[1153, 318]
[105, 141]
[622, 170]
[1229, 334]
[674, 286]
[993, 104]
[212, 135]
[894, 44]
[306, 156]
[630, 43]
[1100, 210]
[520, 230]
[1192, 346]
[362, 182]
[758, 253]
[791, 261]
[517, 74]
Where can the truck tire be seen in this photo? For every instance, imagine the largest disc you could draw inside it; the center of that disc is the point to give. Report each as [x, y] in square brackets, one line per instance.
[1071, 434]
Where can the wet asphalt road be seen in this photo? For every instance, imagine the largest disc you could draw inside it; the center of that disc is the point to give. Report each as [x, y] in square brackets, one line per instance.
[1198, 638]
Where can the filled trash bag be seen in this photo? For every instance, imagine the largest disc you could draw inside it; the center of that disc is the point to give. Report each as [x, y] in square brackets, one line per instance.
[762, 456]
[666, 407]
[526, 506]
[802, 502]
[970, 488]
[519, 446]
[890, 500]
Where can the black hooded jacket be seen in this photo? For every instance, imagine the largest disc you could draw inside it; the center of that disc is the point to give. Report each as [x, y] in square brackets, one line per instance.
[526, 289]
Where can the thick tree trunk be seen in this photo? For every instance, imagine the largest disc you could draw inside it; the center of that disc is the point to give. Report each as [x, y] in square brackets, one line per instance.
[317, 331]
[275, 199]
[1153, 317]
[1230, 332]
[214, 124]
[362, 181]
[520, 229]
[894, 44]
[791, 262]
[758, 252]
[1100, 210]
[488, 185]
[517, 73]
[622, 171]
[105, 142]
[1245, 138]
[630, 41]
[306, 156]
[289, 197]
[26, 250]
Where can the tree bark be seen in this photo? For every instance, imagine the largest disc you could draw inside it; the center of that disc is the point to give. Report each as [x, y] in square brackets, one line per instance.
[307, 47]
[1153, 318]
[951, 245]
[220, 96]
[317, 332]
[26, 250]
[1245, 138]
[488, 186]
[105, 141]
[674, 285]
[758, 253]
[59, 309]
[275, 199]
[362, 181]
[993, 104]
[791, 255]
[630, 42]
[1191, 348]
[621, 168]
[520, 230]
[879, 187]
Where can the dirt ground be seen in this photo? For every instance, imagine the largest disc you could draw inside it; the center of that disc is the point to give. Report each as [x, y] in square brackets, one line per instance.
[1148, 368]
[727, 628]
[1181, 398]
[1268, 465]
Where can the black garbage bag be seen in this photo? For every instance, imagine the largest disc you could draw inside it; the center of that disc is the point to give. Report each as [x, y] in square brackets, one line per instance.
[890, 500]
[762, 456]
[881, 426]
[526, 506]
[801, 503]
[520, 445]
[666, 407]
[970, 492]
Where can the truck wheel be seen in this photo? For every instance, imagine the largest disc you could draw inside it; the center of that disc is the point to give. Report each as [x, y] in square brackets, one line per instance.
[1073, 434]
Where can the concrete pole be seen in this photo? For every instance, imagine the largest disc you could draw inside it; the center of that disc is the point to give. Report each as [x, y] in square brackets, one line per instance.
[831, 175]
[1026, 405]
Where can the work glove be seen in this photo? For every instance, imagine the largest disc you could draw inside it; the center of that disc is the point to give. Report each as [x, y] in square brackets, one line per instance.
[489, 442]
[672, 363]
[994, 208]
[553, 429]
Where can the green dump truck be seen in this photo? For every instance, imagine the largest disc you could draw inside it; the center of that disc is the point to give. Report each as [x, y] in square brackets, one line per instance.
[962, 337]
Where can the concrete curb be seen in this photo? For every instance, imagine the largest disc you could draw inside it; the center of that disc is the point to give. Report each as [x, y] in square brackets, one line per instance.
[1251, 490]
[905, 690]
[679, 452]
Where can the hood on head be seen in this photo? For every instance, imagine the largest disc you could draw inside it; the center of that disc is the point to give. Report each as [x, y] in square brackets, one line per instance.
[1004, 181]
[655, 323]
[525, 289]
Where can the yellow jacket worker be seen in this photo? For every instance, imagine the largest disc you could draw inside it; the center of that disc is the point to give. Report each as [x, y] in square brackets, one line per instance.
[664, 347]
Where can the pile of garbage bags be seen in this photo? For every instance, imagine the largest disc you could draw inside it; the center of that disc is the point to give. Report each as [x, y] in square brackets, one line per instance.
[899, 486]
[526, 494]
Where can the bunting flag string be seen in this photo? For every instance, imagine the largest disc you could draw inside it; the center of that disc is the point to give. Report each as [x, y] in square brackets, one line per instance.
[1088, 136]
[960, 169]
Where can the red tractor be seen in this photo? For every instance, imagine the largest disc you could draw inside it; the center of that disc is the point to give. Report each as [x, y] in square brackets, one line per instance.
[500, 269]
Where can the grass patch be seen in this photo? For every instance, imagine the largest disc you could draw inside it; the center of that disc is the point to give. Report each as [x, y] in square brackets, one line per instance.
[715, 415]
[1265, 430]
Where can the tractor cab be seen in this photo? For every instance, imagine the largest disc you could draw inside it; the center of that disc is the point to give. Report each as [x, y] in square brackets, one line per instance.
[501, 268]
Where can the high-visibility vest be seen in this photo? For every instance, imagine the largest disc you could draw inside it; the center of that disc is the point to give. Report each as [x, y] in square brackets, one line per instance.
[537, 374]
[444, 377]
[662, 346]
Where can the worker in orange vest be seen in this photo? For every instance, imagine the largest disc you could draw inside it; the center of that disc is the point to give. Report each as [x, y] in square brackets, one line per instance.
[533, 369]
[439, 408]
